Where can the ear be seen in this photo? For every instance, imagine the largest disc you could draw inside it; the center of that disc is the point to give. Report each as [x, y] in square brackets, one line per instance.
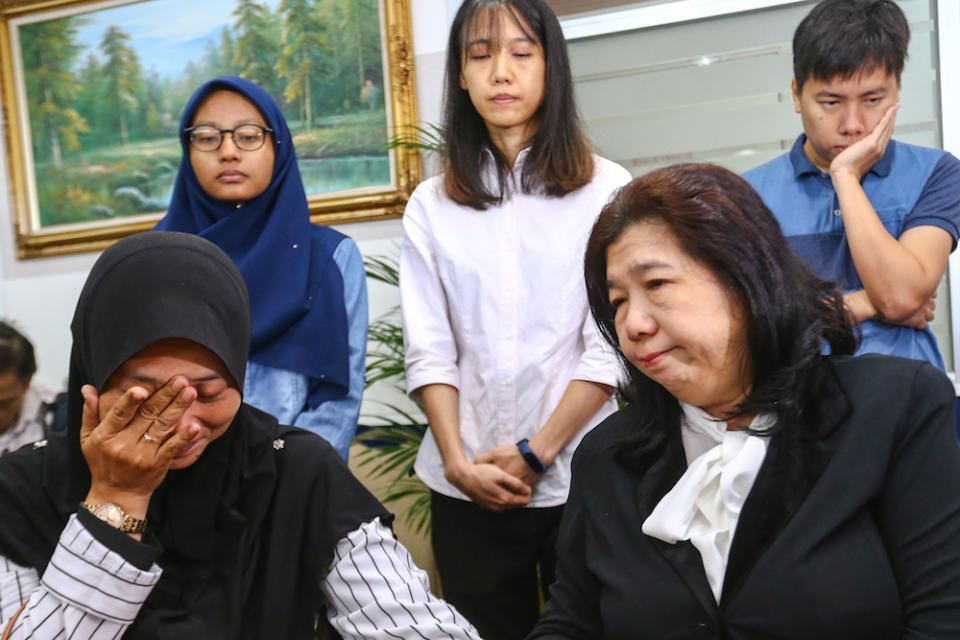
[463, 82]
[796, 95]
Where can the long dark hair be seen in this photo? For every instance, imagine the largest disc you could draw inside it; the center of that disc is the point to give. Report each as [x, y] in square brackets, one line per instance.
[559, 159]
[720, 221]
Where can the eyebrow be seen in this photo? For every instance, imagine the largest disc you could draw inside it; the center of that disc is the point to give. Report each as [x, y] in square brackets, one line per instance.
[832, 94]
[238, 123]
[156, 382]
[487, 41]
[641, 268]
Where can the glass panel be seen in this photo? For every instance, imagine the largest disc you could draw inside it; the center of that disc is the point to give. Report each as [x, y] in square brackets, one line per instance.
[718, 90]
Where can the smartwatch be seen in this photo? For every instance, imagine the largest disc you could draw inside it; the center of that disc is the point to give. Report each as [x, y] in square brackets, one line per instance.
[533, 460]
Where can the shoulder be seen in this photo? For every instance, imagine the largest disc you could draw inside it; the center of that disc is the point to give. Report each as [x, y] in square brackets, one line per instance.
[296, 446]
[777, 169]
[609, 170]
[890, 380]
[911, 153]
[429, 192]
[427, 200]
[608, 178]
[600, 444]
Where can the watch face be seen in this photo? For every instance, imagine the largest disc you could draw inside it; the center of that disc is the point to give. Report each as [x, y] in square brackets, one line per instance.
[110, 513]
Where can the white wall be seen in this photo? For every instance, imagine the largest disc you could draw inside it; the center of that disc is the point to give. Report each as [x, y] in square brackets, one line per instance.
[40, 294]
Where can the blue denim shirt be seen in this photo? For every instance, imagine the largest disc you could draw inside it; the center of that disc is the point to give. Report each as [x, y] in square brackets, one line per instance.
[909, 186]
[283, 393]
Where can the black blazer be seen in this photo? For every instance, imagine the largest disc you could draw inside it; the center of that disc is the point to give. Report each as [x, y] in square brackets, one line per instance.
[852, 529]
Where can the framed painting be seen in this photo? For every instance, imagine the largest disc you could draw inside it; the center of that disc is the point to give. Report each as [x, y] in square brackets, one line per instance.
[92, 94]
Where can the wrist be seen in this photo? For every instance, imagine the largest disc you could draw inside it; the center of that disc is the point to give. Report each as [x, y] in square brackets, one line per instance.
[135, 505]
[455, 470]
[536, 464]
[843, 174]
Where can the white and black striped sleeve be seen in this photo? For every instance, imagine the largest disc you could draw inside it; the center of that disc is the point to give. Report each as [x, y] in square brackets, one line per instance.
[375, 591]
[88, 591]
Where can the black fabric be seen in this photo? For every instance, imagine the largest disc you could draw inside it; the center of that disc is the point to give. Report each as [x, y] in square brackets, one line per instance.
[248, 530]
[494, 565]
[142, 555]
[851, 530]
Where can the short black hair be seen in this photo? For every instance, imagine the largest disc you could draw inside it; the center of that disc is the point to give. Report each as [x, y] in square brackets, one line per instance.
[842, 38]
[16, 353]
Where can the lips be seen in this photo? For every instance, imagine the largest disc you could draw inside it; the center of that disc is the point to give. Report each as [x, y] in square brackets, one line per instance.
[504, 98]
[655, 358]
[232, 176]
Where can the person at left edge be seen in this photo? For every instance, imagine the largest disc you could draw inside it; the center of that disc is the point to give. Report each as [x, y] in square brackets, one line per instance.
[172, 510]
[239, 187]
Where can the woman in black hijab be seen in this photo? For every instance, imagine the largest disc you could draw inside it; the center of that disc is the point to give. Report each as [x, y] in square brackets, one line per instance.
[199, 516]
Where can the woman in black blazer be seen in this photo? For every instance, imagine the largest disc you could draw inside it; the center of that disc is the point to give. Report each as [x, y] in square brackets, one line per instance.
[752, 488]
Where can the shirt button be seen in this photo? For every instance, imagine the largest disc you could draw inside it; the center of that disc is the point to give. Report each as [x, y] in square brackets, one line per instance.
[506, 380]
[837, 212]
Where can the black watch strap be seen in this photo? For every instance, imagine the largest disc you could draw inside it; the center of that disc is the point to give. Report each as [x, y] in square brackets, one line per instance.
[533, 460]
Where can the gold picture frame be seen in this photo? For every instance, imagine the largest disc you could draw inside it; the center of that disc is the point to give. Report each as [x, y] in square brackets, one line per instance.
[395, 97]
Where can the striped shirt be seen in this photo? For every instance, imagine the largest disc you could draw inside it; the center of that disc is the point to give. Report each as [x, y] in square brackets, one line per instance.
[90, 592]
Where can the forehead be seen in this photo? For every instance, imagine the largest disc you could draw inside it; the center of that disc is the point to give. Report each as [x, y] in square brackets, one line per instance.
[227, 107]
[645, 244]
[496, 25]
[861, 82]
[173, 356]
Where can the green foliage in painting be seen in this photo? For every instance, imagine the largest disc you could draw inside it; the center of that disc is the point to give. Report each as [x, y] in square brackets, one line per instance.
[104, 127]
[49, 52]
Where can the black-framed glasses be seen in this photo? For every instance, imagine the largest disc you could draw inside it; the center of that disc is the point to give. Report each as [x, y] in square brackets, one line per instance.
[247, 137]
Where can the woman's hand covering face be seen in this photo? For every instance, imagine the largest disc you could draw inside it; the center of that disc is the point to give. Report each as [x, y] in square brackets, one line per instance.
[129, 451]
[157, 412]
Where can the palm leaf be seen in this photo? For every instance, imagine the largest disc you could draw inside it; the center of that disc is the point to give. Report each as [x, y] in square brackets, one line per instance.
[429, 137]
[392, 438]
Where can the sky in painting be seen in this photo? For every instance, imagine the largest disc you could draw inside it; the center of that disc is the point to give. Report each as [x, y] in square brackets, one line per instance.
[166, 33]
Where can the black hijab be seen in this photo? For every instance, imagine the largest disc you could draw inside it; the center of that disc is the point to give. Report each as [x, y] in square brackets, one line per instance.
[245, 532]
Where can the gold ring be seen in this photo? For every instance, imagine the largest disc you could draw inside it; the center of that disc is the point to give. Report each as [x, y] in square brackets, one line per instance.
[148, 438]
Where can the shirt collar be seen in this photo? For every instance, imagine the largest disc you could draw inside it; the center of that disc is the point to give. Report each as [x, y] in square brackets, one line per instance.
[518, 163]
[802, 165]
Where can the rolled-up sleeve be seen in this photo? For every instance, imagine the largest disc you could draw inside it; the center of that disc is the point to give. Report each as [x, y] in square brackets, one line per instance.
[431, 350]
[599, 361]
[87, 591]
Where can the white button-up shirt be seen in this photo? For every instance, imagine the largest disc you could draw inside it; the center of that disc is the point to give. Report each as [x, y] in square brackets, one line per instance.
[494, 304]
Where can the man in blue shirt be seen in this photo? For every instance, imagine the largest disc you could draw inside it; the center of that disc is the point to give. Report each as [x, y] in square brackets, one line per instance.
[878, 216]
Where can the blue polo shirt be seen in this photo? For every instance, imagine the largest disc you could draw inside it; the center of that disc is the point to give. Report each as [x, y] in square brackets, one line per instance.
[908, 187]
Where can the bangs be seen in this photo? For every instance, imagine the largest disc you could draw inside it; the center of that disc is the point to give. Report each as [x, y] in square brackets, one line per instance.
[483, 25]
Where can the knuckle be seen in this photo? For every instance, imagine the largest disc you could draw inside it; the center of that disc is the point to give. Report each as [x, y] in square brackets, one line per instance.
[148, 412]
[164, 423]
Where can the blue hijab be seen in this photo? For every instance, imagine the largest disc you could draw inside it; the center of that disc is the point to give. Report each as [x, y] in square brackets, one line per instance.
[296, 288]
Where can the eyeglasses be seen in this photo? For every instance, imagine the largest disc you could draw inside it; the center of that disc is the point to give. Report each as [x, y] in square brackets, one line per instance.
[247, 137]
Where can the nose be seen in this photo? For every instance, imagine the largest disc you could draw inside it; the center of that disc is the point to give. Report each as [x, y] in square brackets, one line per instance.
[639, 322]
[228, 149]
[852, 121]
[501, 72]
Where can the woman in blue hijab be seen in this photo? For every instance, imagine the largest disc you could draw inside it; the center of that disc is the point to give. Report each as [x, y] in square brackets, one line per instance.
[239, 187]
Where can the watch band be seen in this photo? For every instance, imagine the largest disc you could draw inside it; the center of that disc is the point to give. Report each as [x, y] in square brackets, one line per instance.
[532, 459]
[116, 517]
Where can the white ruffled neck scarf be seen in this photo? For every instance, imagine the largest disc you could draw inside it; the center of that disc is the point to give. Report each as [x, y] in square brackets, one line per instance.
[704, 506]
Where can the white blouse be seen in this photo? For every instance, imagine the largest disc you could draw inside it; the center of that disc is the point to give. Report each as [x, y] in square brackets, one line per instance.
[704, 506]
[494, 304]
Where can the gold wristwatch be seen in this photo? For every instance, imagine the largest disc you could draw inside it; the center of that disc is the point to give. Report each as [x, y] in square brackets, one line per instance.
[116, 517]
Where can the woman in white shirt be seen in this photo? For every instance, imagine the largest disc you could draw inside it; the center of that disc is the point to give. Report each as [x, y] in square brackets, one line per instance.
[501, 350]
